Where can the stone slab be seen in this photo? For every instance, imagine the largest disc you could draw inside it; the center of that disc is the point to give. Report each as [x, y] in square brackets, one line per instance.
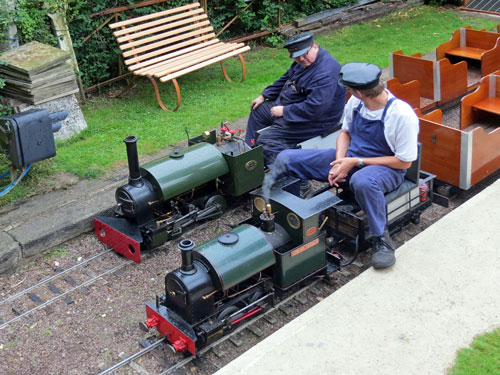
[33, 58]
[10, 252]
[45, 221]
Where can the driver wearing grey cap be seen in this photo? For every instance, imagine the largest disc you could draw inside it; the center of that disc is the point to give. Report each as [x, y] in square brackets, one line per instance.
[305, 102]
[376, 145]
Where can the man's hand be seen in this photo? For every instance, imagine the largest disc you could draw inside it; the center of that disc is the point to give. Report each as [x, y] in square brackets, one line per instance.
[277, 111]
[257, 101]
[340, 169]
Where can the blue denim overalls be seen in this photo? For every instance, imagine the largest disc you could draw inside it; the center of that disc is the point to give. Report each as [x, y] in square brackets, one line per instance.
[368, 183]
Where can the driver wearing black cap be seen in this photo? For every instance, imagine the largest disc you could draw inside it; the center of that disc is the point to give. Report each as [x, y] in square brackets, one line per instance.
[305, 102]
[376, 145]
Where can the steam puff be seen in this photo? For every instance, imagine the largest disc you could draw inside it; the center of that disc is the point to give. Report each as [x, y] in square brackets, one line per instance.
[278, 170]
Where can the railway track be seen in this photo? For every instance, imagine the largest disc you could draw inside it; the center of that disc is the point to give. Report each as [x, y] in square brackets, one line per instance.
[160, 359]
[288, 308]
[60, 285]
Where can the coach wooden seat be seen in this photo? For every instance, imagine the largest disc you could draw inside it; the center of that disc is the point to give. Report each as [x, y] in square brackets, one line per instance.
[439, 80]
[486, 98]
[479, 45]
[169, 44]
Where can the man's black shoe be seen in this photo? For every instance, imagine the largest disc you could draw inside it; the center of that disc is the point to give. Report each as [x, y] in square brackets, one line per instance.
[306, 189]
[383, 251]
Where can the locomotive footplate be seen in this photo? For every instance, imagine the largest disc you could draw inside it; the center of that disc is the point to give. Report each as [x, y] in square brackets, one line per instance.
[120, 235]
[180, 334]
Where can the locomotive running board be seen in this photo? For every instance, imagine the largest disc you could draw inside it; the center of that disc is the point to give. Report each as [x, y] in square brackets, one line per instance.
[172, 327]
[119, 235]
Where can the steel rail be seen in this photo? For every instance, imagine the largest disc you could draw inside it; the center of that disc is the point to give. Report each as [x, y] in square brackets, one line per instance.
[22, 292]
[241, 327]
[3, 325]
[132, 357]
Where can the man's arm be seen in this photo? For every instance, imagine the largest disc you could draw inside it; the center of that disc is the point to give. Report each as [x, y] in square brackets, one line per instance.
[343, 140]
[273, 91]
[318, 98]
[337, 174]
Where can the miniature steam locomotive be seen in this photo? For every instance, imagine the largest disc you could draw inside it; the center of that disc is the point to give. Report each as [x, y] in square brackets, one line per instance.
[287, 241]
[166, 195]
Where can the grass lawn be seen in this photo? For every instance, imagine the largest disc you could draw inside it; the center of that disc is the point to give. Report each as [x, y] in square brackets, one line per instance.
[482, 358]
[207, 99]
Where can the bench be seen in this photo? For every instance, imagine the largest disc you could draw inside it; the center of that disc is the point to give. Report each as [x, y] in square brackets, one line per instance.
[169, 44]
[486, 98]
[440, 81]
[479, 45]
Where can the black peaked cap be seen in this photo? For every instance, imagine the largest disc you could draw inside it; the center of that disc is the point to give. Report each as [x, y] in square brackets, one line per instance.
[299, 44]
[360, 76]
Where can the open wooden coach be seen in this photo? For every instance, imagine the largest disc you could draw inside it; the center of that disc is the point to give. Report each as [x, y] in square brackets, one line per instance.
[458, 103]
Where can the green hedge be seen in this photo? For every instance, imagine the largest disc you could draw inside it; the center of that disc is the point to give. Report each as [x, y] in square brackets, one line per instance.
[98, 56]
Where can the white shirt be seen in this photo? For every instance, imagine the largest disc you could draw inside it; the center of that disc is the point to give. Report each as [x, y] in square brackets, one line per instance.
[401, 125]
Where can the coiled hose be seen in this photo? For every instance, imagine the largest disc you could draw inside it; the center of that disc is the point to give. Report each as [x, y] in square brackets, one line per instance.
[14, 183]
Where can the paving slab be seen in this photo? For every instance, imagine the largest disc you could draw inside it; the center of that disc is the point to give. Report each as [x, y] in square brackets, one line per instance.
[410, 319]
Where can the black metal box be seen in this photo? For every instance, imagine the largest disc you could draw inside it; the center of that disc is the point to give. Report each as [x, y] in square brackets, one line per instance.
[27, 137]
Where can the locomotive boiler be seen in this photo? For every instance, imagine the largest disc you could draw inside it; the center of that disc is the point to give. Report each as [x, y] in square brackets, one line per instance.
[165, 196]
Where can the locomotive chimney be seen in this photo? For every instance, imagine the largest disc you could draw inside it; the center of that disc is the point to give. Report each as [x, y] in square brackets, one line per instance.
[133, 161]
[267, 219]
[186, 247]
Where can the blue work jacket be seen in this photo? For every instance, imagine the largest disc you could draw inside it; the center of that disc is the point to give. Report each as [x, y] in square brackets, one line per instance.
[311, 95]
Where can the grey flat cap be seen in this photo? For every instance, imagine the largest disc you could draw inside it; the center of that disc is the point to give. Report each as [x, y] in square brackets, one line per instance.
[299, 44]
[360, 76]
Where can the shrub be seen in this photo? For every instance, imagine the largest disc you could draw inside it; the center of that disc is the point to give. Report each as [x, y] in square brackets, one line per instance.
[98, 56]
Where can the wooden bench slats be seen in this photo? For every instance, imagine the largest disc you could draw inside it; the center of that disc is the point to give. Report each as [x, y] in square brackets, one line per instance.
[151, 46]
[137, 35]
[467, 52]
[490, 104]
[188, 17]
[191, 56]
[164, 35]
[153, 15]
[173, 54]
[172, 43]
[187, 60]
[198, 40]
[203, 64]
[180, 56]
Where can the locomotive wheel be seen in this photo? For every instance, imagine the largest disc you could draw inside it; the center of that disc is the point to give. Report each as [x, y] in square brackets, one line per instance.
[415, 218]
[226, 312]
[217, 200]
[255, 296]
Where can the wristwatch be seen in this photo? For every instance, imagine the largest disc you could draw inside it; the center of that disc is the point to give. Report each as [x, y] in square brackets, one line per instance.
[360, 162]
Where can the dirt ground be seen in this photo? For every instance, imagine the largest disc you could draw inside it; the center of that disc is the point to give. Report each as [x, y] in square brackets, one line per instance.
[88, 335]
